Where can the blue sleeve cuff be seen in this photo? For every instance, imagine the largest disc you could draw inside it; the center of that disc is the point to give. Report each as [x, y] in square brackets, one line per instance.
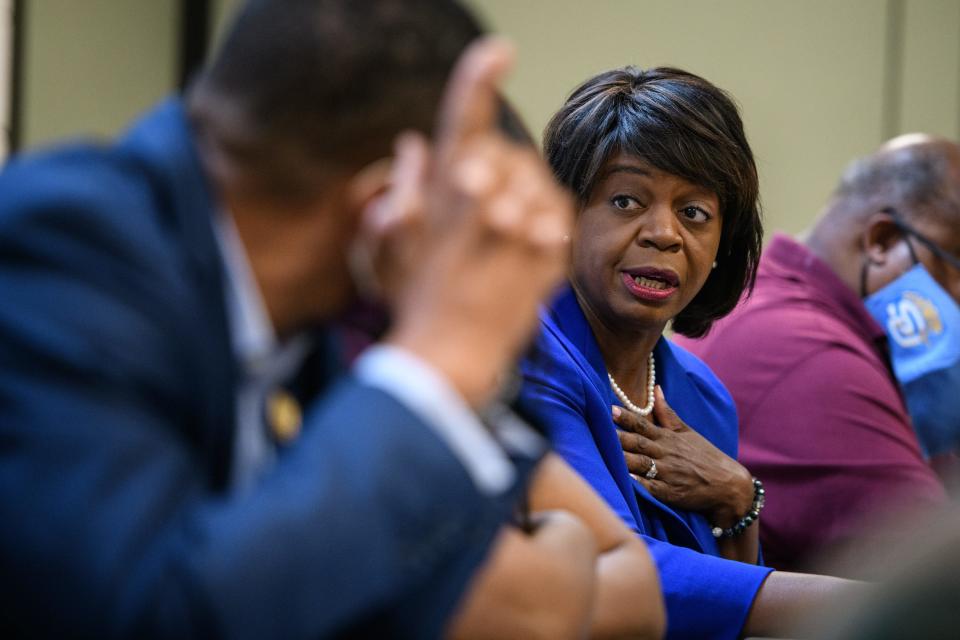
[706, 596]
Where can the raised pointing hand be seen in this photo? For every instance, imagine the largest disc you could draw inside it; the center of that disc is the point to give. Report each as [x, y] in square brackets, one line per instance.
[493, 240]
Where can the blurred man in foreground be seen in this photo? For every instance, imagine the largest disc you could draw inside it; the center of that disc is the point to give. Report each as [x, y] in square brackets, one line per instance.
[177, 458]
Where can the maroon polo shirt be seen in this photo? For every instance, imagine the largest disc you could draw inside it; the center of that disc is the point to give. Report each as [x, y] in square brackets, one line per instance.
[822, 422]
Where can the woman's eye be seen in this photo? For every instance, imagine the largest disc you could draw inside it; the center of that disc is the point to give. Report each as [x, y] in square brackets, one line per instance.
[624, 202]
[695, 214]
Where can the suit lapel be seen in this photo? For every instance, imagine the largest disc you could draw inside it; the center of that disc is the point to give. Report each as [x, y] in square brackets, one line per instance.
[571, 326]
[163, 143]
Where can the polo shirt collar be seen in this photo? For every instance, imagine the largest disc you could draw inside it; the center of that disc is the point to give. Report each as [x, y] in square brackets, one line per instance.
[787, 259]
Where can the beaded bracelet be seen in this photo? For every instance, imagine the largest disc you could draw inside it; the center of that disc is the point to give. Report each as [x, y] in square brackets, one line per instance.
[747, 520]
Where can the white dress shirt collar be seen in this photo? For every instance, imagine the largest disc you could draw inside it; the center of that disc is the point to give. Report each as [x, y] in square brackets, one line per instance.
[263, 361]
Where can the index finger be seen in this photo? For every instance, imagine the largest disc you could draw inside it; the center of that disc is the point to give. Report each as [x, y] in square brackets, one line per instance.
[471, 100]
[629, 421]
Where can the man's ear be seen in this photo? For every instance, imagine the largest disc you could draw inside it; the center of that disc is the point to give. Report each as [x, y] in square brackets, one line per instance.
[881, 236]
[369, 184]
[391, 191]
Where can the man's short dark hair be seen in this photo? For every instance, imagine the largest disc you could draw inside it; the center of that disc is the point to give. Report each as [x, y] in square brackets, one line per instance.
[327, 83]
[683, 125]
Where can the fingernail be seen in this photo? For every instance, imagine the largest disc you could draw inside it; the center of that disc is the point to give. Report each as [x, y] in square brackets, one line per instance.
[616, 412]
[635, 477]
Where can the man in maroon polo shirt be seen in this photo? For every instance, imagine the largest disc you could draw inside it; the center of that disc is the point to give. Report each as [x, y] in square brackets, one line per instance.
[822, 420]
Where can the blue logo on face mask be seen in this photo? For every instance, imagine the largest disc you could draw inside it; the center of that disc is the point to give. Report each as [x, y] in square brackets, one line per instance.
[923, 323]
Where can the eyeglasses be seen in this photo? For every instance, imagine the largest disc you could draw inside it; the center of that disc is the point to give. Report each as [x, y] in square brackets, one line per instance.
[935, 249]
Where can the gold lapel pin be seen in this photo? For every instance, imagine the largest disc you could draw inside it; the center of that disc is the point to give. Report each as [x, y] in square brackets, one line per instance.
[284, 416]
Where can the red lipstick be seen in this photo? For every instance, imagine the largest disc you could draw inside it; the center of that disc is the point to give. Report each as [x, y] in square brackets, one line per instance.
[648, 283]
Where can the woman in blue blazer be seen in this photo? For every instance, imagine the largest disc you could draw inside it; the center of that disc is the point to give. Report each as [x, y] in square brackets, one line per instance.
[668, 231]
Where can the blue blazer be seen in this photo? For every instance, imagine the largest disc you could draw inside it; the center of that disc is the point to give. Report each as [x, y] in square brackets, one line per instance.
[117, 387]
[566, 389]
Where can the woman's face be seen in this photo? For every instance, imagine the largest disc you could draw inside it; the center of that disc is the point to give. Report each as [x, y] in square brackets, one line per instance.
[645, 243]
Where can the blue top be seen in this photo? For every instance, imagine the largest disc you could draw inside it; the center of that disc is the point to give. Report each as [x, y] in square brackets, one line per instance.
[566, 389]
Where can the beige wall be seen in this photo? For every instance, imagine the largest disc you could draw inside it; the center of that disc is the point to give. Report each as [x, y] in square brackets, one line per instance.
[819, 81]
[6, 67]
[930, 96]
[811, 76]
[222, 11]
[91, 65]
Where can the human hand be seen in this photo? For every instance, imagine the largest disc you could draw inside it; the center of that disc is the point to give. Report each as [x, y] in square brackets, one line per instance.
[692, 474]
[539, 585]
[488, 235]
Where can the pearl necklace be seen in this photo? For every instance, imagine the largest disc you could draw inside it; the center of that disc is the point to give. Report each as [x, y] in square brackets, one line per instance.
[651, 383]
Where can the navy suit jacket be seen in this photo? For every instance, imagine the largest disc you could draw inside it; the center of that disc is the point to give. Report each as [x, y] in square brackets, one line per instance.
[117, 387]
[566, 390]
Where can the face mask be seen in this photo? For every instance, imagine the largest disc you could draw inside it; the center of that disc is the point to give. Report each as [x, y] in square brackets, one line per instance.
[923, 323]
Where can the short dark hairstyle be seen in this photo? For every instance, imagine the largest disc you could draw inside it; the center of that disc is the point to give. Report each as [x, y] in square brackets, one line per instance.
[327, 83]
[680, 124]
